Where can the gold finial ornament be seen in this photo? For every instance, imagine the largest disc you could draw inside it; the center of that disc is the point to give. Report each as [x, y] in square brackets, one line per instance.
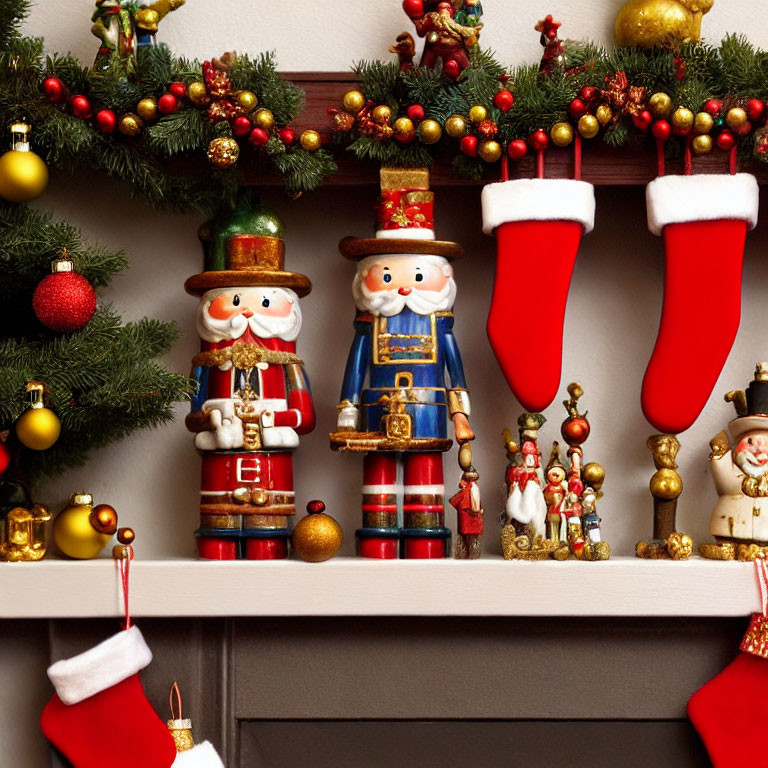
[650, 23]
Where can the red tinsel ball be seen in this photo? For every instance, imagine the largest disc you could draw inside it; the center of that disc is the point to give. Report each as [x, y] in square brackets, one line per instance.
[755, 109]
[468, 146]
[517, 150]
[713, 106]
[241, 126]
[5, 457]
[179, 90]
[539, 140]
[81, 107]
[487, 129]
[64, 301]
[643, 120]
[661, 130]
[287, 136]
[577, 108]
[53, 89]
[504, 100]
[588, 92]
[415, 112]
[259, 137]
[451, 68]
[167, 104]
[106, 120]
[726, 140]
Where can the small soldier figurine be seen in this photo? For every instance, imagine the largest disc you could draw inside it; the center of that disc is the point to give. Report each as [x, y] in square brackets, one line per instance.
[554, 494]
[253, 399]
[405, 349]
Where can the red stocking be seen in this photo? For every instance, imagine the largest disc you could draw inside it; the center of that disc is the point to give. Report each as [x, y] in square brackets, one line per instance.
[538, 225]
[730, 712]
[704, 220]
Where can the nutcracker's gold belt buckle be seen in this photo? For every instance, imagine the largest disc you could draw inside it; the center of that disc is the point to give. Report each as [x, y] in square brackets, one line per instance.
[397, 423]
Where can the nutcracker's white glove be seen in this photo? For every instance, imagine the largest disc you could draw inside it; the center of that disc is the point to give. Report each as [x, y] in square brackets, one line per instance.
[348, 419]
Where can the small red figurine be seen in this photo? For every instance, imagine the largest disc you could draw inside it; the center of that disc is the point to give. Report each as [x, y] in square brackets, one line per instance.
[253, 400]
[553, 47]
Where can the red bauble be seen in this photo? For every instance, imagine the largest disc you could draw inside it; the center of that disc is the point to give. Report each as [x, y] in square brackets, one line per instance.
[755, 109]
[713, 106]
[287, 136]
[577, 109]
[179, 90]
[744, 130]
[167, 104]
[81, 107]
[106, 120]
[451, 68]
[539, 140]
[241, 126]
[726, 140]
[643, 120]
[259, 137]
[517, 150]
[416, 112]
[414, 9]
[661, 130]
[64, 301]
[53, 89]
[575, 430]
[5, 457]
[504, 100]
[588, 92]
[468, 146]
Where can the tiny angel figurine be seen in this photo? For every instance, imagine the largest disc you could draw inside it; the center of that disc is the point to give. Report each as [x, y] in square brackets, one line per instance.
[739, 468]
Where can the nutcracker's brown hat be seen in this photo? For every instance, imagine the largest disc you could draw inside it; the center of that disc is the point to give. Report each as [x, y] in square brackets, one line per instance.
[405, 217]
[245, 248]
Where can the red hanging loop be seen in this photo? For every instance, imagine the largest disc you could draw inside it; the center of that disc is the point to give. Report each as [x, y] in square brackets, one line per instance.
[505, 167]
[124, 568]
[540, 164]
[661, 168]
[175, 701]
[688, 158]
[733, 158]
[577, 158]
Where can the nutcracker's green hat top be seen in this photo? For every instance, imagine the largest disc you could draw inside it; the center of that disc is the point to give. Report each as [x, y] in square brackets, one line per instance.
[245, 247]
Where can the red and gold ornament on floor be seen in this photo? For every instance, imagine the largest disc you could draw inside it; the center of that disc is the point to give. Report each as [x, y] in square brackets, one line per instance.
[253, 401]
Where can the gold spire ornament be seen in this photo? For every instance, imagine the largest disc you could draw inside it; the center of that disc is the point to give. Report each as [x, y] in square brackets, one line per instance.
[650, 23]
[23, 174]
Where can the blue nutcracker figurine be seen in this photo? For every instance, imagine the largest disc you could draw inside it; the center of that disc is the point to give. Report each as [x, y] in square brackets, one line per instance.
[404, 380]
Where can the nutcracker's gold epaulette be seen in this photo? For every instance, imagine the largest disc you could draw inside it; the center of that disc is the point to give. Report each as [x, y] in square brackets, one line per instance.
[443, 314]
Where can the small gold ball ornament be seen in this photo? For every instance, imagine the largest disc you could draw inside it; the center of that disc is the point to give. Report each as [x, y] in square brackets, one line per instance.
[666, 484]
[736, 118]
[353, 101]
[223, 152]
[702, 144]
[703, 122]
[588, 126]
[561, 134]
[38, 427]
[478, 113]
[197, 93]
[317, 537]
[264, 119]
[456, 126]
[682, 120]
[247, 101]
[73, 531]
[660, 105]
[430, 131]
[381, 114]
[146, 109]
[489, 151]
[648, 23]
[404, 128]
[310, 140]
[23, 174]
[130, 124]
[604, 114]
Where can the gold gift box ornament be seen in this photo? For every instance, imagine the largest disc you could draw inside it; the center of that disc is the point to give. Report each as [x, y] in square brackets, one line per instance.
[24, 534]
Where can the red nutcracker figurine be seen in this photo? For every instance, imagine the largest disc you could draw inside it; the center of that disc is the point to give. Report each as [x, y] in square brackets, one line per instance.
[404, 380]
[253, 400]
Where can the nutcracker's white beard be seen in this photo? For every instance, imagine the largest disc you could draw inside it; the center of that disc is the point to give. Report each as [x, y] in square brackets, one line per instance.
[747, 462]
[262, 326]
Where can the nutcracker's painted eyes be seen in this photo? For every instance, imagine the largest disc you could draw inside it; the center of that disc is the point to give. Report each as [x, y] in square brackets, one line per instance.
[236, 300]
[419, 277]
[265, 303]
[749, 441]
[387, 277]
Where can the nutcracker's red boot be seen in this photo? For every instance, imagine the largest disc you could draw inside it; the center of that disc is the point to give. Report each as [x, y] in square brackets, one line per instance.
[538, 224]
[704, 221]
[424, 535]
[266, 549]
[216, 549]
[379, 538]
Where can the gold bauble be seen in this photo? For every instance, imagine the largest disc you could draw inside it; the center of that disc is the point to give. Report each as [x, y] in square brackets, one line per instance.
[223, 152]
[23, 176]
[456, 126]
[736, 118]
[404, 127]
[702, 145]
[660, 105]
[130, 124]
[430, 131]
[146, 109]
[72, 530]
[381, 114]
[604, 114]
[682, 120]
[353, 101]
[38, 428]
[310, 140]
[648, 23]
[703, 122]
[264, 119]
[561, 134]
[490, 151]
[666, 484]
[478, 113]
[197, 93]
[588, 126]
[317, 536]
[247, 101]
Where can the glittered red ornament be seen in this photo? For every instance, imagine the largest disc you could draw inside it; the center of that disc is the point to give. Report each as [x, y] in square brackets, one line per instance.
[167, 104]
[179, 90]
[643, 120]
[713, 106]
[577, 108]
[259, 137]
[504, 100]
[451, 68]
[106, 120]
[241, 126]
[662, 130]
[416, 112]
[53, 89]
[468, 146]
[5, 457]
[755, 109]
[517, 150]
[539, 140]
[64, 301]
[487, 129]
[588, 92]
[81, 107]
[287, 136]
[726, 140]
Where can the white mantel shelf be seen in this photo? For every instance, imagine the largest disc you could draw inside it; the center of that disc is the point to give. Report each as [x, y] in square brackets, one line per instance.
[623, 586]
